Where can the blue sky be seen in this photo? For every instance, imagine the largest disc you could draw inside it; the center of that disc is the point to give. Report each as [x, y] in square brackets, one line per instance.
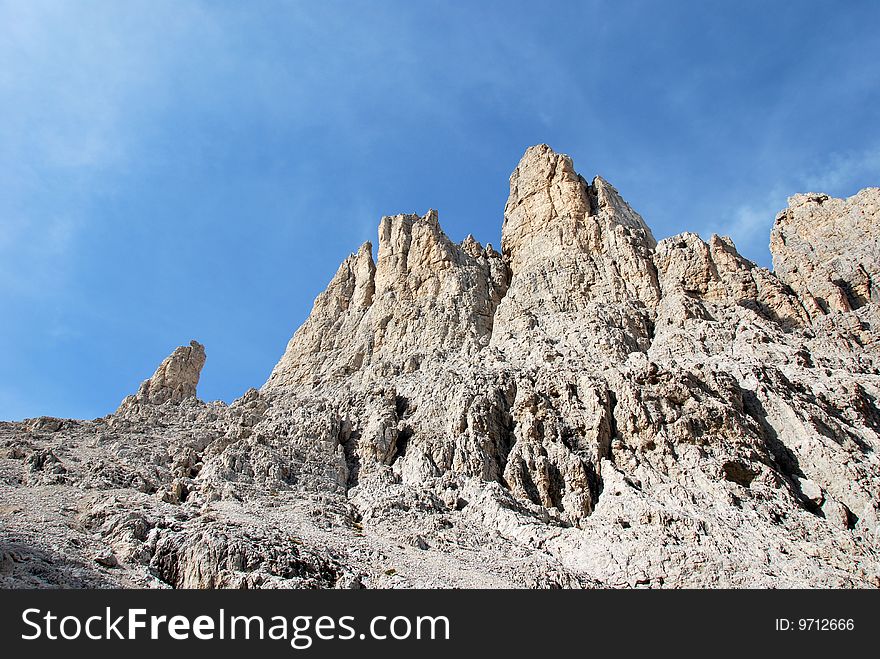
[178, 170]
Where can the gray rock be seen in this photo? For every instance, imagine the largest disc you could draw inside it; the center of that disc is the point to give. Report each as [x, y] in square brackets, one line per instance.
[585, 408]
[106, 558]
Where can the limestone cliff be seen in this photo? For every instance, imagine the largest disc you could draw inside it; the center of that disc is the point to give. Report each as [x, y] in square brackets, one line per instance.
[586, 407]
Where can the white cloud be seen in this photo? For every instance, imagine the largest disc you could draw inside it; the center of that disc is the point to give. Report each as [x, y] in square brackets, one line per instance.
[844, 171]
[749, 224]
[77, 82]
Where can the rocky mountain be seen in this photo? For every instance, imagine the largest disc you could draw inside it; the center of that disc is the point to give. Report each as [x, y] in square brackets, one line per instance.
[587, 407]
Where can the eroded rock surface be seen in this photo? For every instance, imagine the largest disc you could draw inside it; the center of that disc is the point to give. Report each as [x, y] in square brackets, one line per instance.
[585, 408]
[175, 379]
[828, 250]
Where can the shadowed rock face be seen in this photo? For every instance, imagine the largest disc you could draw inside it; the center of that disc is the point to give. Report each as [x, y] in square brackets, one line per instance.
[586, 407]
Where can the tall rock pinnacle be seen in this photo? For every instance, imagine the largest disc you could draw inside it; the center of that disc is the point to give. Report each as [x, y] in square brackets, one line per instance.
[175, 379]
[582, 274]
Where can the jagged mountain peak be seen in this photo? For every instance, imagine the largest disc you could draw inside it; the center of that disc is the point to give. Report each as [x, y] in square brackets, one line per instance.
[607, 409]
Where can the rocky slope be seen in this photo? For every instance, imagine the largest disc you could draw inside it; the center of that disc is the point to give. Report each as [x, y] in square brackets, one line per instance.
[585, 408]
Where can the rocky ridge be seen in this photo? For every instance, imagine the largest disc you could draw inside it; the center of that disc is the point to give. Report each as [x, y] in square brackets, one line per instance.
[587, 407]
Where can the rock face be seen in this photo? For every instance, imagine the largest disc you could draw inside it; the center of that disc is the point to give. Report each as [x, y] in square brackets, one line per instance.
[586, 408]
[828, 251]
[425, 297]
[582, 274]
[175, 380]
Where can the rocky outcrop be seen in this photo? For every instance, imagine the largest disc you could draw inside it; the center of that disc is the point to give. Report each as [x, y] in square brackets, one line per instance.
[424, 298]
[586, 407]
[828, 251]
[583, 284]
[174, 381]
[714, 273]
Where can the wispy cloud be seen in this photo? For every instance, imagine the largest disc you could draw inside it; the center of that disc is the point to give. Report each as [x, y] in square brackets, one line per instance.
[163, 159]
[844, 172]
[76, 82]
[749, 223]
